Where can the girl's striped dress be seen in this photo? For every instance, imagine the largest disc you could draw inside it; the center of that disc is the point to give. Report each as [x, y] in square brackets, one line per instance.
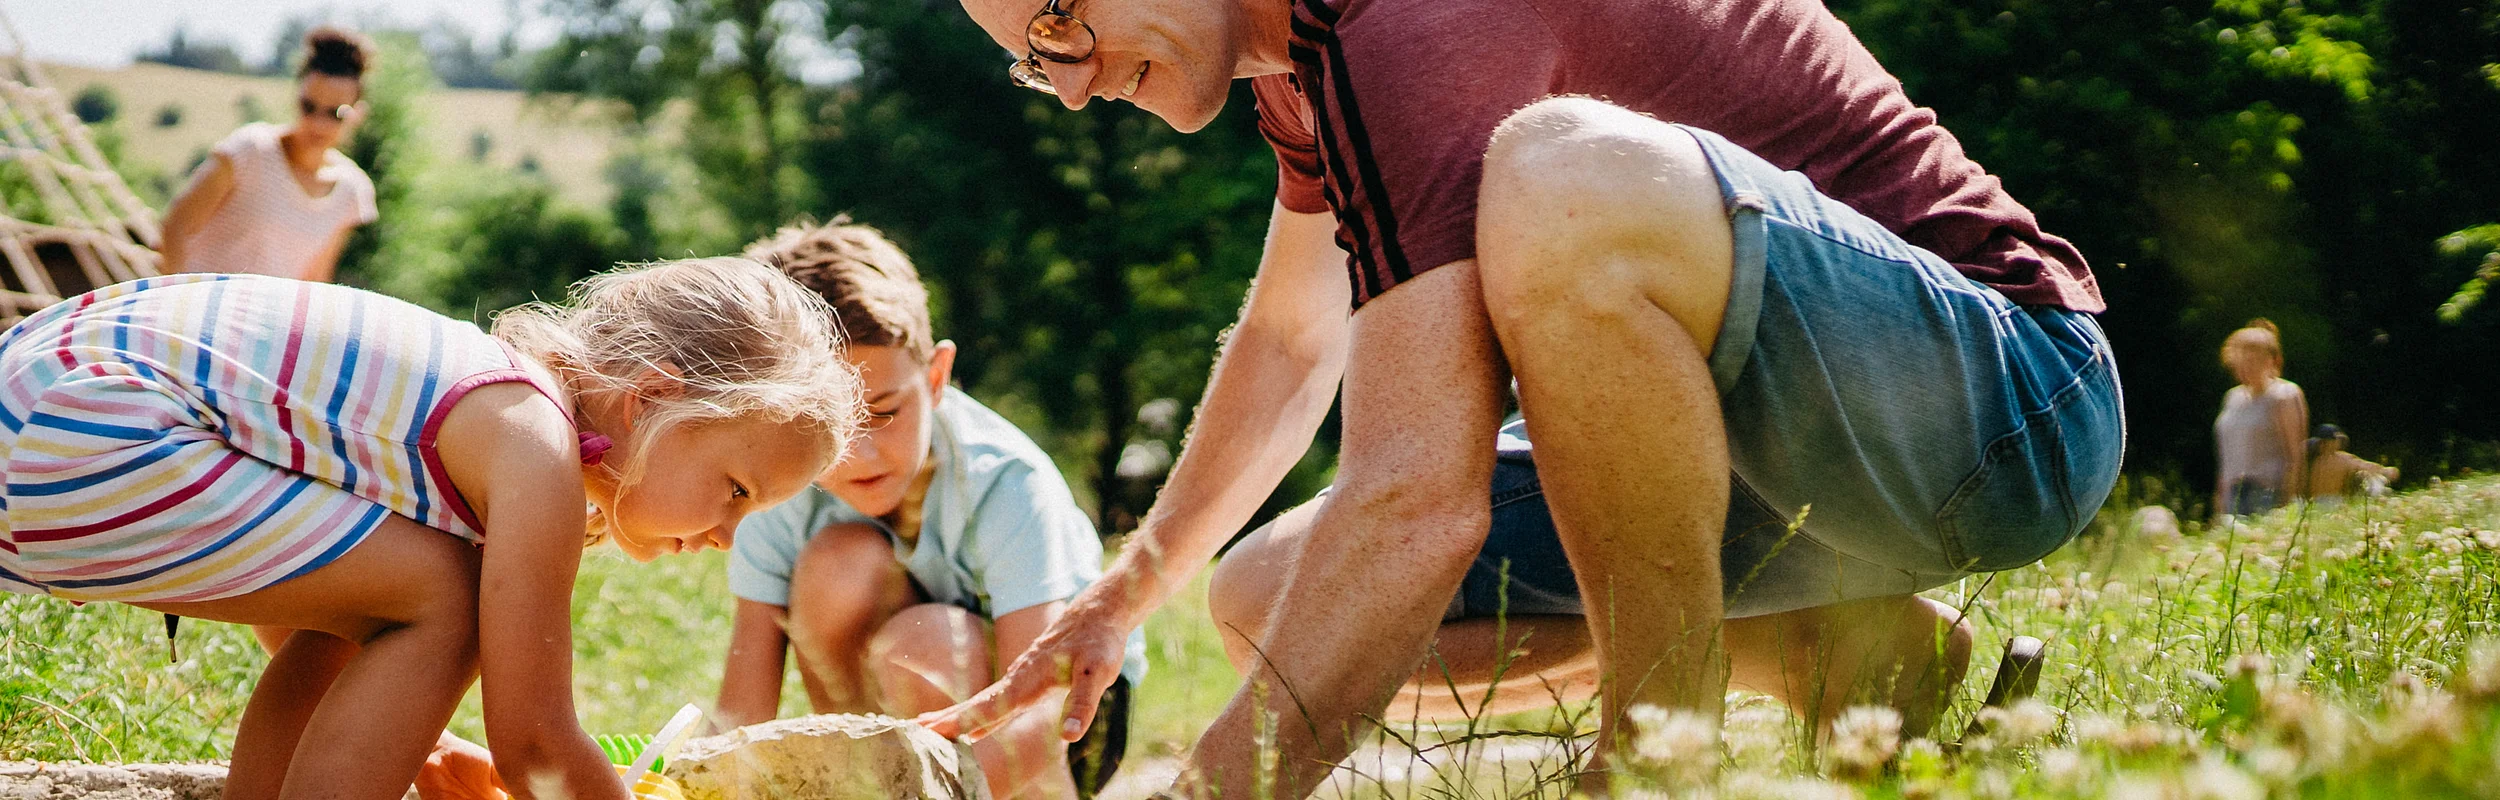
[197, 437]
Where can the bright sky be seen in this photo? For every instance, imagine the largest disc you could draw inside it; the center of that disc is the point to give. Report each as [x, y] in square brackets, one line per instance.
[108, 32]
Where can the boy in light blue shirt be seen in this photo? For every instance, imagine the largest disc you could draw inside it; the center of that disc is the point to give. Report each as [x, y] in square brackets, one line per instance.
[940, 546]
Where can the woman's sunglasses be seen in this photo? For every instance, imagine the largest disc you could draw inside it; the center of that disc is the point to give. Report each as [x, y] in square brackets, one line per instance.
[308, 108]
[1053, 35]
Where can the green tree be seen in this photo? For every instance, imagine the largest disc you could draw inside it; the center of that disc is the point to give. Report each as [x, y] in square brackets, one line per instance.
[96, 104]
[2235, 158]
[403, 248]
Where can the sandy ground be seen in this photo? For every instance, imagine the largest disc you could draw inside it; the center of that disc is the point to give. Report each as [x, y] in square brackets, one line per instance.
[1139, 778]
[24, 780]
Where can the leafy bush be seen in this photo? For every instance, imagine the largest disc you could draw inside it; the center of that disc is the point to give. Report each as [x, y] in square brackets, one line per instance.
[96, 103]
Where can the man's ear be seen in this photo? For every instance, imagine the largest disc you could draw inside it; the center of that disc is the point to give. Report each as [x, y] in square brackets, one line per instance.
[941, 370]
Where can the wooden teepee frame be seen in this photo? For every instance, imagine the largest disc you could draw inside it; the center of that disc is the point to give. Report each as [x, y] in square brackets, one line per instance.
[86, 229]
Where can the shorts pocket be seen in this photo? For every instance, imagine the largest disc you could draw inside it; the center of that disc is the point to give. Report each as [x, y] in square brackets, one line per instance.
[2036, 487]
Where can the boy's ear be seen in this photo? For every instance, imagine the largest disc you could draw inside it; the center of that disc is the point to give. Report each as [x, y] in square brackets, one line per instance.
[941, 370]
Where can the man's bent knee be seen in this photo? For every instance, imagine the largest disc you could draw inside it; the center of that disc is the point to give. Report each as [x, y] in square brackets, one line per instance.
[1581, 204]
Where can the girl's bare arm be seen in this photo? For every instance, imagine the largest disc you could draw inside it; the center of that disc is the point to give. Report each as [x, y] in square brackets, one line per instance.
[513, 456]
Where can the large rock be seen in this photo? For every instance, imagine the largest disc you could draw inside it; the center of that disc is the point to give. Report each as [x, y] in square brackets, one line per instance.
[828, 757]
[42, 781]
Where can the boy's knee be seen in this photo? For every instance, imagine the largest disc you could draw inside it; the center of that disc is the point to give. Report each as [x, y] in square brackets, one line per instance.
[840, 585]
[931, 639]
[845, 547]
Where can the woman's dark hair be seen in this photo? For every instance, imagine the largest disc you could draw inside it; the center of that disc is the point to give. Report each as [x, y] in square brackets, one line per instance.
[332, 50]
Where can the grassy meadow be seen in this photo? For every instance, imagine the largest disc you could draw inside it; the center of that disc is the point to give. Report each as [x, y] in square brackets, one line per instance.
[2317, 654]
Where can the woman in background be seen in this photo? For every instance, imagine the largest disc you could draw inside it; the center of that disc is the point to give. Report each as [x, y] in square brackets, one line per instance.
[280, 200]
[2258, 436]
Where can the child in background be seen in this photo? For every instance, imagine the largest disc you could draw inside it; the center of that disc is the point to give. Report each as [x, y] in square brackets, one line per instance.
[405, 493]
[940, 546]
[2335, 472]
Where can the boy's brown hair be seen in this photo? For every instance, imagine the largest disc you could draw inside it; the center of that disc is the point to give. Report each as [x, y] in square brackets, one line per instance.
[877, 297]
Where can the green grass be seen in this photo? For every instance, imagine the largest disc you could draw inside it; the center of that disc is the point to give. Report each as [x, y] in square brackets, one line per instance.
[93, 683]
[2362, 617]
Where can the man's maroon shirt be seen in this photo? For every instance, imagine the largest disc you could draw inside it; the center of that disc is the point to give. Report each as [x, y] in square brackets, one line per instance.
[1387, 114]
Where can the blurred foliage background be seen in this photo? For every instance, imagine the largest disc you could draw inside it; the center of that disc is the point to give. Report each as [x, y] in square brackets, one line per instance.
[2329, 164]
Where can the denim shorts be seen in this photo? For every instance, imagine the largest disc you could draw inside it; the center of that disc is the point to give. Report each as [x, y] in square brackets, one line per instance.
[1920, 424]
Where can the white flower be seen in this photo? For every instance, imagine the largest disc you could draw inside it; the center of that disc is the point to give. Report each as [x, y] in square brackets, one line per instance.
[1864, 738]
[2216, 779]
[1683, 747]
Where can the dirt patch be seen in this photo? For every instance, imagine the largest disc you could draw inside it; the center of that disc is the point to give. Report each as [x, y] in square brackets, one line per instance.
[39, 780]
[46, 781]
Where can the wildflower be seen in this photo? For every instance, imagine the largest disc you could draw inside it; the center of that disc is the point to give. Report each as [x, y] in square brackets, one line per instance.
[2478, 680]
[2249, 664]
[2452, 546]
[2063, 768]
[1864, 738]
[2216, 779]
[2490, 540]
[2025, 723]
[1679, 746]
[2274, 765]
[1761, 786]
[1756, 735]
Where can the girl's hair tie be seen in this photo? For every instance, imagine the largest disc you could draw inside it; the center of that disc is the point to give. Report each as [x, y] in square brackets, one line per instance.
[595, 446]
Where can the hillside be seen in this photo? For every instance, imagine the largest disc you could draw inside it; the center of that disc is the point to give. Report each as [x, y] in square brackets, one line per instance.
[568, 141]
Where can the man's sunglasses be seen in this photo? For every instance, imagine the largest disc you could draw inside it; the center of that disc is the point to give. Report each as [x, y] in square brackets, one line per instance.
[308, 108]
[1053, 35]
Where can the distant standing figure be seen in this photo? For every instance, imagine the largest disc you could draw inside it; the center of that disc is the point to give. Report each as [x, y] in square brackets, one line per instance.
[279, 200]
[2334, 472]
[2258, 434]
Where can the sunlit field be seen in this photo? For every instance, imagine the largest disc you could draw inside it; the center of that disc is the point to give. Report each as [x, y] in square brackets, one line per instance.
[2311, 654]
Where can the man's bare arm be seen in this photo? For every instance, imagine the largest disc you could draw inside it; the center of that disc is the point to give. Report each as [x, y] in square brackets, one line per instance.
[1273, 383]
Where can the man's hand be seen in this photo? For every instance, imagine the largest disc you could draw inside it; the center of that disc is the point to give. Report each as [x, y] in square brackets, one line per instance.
[458, 769]
[1080, 655]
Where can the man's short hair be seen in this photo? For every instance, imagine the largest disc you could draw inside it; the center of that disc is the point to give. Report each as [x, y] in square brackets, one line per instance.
[877, 297]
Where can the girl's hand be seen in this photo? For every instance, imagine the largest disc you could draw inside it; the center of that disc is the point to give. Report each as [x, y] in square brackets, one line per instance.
[458, 769]
[572, 769]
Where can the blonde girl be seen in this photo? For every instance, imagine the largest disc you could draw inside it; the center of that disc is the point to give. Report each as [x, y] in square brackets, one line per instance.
[407, 495]
[2259, 436]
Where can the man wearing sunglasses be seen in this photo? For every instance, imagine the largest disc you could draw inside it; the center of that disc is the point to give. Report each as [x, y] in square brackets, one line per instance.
[1785, 362]
[281, 199]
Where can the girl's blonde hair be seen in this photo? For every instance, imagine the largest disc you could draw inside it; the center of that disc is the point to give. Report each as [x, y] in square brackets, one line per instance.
[2259, 336]
[698, 340]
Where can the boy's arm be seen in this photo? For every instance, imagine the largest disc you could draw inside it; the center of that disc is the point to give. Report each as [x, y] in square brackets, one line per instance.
[512, 456]
[750, 683]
